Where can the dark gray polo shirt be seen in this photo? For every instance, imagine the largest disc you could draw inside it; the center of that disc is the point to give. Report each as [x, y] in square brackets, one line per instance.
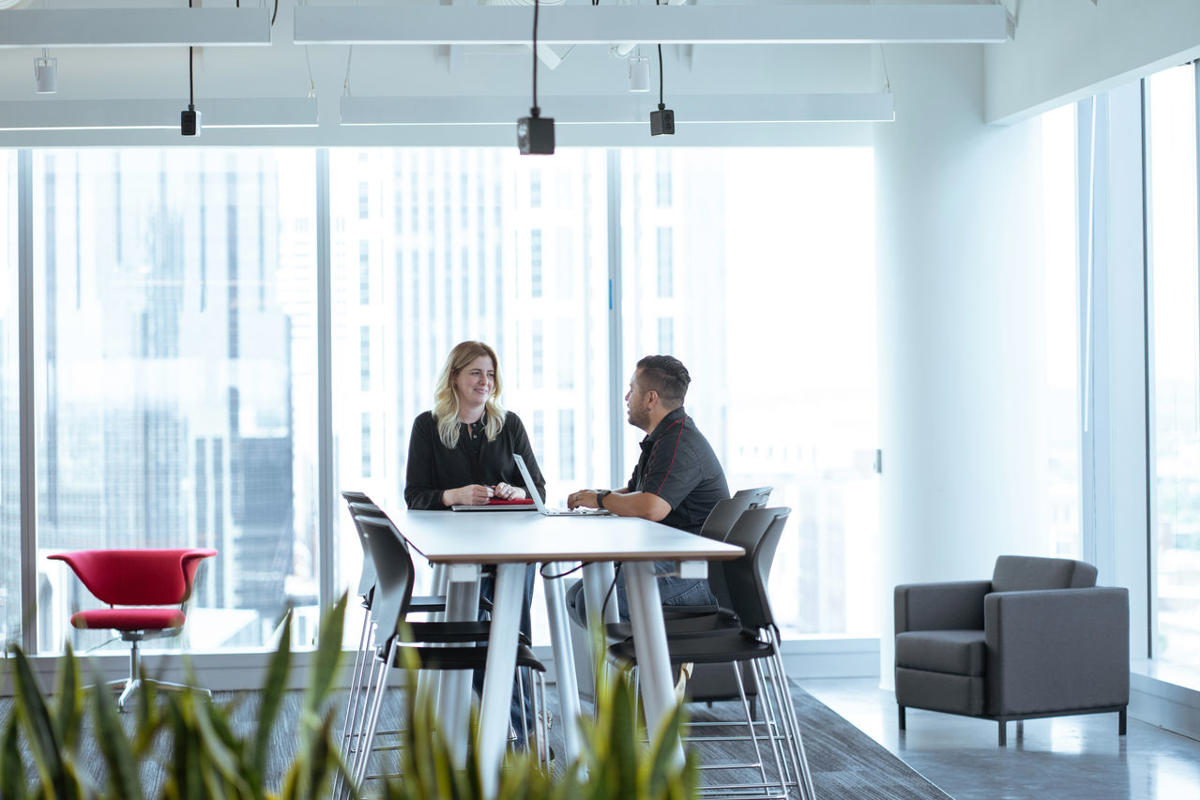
[679, 465]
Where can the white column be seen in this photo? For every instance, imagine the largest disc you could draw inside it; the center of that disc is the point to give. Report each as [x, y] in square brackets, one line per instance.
[961, 312]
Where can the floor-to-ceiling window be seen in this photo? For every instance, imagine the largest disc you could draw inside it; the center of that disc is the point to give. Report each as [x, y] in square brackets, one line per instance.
[10, 457]
[1175, 361]
[175, 377]
[756, 267]
[433, 246]
[175, 333]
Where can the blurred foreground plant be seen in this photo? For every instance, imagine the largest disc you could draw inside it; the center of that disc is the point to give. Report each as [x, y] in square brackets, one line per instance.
[204, 757]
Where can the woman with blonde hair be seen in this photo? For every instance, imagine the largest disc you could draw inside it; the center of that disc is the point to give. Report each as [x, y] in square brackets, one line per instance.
[461, 453]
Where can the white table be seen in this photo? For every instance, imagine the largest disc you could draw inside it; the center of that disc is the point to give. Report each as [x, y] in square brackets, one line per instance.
[511, 539]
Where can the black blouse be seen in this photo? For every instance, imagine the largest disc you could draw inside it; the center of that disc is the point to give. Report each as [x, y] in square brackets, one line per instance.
[434, 468]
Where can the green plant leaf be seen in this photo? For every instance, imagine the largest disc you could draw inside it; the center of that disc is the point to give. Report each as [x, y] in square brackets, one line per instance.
[69, 712]
[217, 751]
[319, 759]
[326, 658]
[118, 755]
[273, 691]
[39, 728]
[623, 738]
[12, 769]
[660, 766]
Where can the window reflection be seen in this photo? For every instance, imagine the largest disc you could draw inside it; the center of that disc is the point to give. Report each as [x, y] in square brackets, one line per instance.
[175, 377]
[1171, 129]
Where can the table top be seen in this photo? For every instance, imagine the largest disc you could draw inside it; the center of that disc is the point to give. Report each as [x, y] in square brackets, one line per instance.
[496, 537]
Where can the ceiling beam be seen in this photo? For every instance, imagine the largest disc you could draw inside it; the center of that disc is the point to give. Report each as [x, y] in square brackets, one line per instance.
[96, 115]
[628, 109]
[775, 24]
[135, 27]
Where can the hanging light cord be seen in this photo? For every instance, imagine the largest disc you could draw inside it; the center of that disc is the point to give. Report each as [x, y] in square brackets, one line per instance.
[661, 105]
[191, 85]
[534, 110]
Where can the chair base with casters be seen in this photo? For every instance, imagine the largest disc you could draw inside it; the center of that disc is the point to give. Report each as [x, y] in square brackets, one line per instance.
[135, 584]
[130, 685]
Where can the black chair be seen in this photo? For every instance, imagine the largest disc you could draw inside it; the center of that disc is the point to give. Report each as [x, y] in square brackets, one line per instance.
[712, 683]
[756, 642]
[1039, 639]
[436, 646]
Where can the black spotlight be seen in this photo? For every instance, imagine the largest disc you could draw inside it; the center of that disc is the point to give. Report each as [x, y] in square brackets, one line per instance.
[535, 134]
[662, 121]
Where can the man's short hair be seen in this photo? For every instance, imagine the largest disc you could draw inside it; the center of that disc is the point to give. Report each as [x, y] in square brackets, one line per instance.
[666, 375]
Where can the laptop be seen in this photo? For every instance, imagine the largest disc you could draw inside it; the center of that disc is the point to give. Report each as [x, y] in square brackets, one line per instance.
[531, 489]
[495, 504]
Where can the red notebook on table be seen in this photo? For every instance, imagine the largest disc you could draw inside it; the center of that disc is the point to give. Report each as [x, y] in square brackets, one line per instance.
[496, 504]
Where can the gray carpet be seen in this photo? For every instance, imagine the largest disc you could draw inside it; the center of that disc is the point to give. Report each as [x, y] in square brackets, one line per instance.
[846, 763]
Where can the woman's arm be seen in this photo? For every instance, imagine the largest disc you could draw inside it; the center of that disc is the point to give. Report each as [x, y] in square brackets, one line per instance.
[419, 489]
[523, 448]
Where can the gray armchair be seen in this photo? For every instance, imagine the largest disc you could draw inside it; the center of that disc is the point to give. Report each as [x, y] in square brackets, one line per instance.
[1039, 639]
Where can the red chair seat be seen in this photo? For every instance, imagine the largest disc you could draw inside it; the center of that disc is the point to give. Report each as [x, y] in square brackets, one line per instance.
[129, 619]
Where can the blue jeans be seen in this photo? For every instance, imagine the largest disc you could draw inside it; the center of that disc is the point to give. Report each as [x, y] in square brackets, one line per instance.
[673, 591]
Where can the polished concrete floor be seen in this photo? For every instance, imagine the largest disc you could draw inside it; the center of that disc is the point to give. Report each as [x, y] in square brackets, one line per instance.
[1065, 758]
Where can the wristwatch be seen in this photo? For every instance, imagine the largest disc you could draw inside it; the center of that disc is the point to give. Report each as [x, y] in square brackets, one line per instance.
[600, 495]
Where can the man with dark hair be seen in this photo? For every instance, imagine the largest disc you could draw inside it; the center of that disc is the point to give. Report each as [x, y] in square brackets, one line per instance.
[677, 480]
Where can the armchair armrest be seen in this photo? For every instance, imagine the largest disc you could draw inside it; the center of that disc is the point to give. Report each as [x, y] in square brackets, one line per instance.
[940, 606]
[1057, 650]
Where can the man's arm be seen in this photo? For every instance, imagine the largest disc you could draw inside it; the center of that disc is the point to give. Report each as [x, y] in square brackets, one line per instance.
[624, 503]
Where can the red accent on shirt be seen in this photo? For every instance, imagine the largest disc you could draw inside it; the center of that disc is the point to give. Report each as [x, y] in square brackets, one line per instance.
[678, 436]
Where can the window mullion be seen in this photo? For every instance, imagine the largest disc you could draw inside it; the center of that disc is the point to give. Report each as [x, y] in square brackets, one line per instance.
[28, 456]
[325, 490]
[616, 372]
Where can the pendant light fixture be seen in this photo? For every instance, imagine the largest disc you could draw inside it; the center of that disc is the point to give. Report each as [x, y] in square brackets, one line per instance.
[45, 73]
[189, 120]
[535, 133]
[662, 121]
[639, 72]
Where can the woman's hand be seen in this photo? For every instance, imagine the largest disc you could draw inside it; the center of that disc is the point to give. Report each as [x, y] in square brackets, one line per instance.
[506, 491]
[473, 495]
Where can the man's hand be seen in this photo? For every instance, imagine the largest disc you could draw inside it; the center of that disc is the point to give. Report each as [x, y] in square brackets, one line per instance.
[473, 495]
[584, 498]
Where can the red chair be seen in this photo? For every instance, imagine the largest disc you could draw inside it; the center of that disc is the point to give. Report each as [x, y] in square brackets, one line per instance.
[137, 578]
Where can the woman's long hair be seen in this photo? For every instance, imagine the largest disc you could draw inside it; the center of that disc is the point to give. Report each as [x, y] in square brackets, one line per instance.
[445, 399]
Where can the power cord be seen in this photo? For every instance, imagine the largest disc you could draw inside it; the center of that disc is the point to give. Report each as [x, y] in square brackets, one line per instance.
[611, 586]
[572, 571]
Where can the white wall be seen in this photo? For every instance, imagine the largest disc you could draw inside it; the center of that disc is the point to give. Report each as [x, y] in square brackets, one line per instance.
[960, 310]
[1064, 50]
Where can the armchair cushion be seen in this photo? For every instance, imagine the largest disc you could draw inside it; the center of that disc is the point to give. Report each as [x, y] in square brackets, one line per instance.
[955, 651]
[1028, 573]
[129, 619]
